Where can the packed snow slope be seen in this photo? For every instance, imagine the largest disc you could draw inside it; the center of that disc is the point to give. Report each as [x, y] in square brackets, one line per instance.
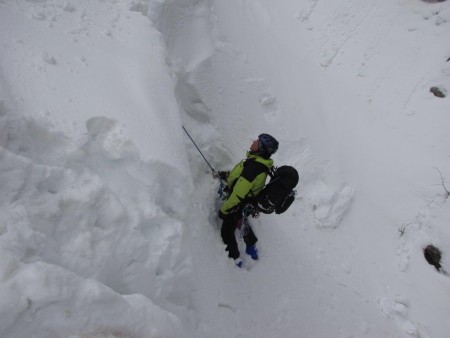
[108, 223]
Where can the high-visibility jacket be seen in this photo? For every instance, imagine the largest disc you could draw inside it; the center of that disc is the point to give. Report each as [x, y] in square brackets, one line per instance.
[246, 180]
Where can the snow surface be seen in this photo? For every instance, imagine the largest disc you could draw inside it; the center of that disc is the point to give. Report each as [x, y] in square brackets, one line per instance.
[108, 222]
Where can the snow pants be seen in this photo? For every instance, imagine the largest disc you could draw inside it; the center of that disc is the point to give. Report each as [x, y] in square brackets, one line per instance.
[229, 225]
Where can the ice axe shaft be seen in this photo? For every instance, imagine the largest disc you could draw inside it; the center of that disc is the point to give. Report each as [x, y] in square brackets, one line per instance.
[212, 169]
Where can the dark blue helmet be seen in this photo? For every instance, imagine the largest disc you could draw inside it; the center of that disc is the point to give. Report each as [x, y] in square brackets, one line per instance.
[268, 144]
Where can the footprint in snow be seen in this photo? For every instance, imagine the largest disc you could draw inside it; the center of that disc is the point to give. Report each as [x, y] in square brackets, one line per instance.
[329, 206]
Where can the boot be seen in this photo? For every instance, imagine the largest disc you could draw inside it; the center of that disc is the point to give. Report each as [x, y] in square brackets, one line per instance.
[252, 252]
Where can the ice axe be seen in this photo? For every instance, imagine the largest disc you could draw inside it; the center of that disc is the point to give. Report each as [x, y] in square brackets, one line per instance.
[223, 185]
[212, 169]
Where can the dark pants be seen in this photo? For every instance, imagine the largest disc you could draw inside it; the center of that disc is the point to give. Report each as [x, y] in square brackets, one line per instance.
[228, 227]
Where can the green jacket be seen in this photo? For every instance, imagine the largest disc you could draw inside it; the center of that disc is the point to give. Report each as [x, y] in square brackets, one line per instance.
[246, 180]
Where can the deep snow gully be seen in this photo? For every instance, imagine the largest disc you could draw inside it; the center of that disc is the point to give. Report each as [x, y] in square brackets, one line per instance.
[238, 75]
[222, 97]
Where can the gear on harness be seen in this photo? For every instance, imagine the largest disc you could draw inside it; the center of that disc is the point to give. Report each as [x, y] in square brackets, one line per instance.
[221, 175]
[244, 224]
[223, 186]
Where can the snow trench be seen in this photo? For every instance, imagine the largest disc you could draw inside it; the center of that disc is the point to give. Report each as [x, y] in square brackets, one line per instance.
[224, 102]
[221, 98]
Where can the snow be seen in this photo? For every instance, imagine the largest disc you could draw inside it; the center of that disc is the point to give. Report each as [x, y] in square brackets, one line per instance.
[108, 223]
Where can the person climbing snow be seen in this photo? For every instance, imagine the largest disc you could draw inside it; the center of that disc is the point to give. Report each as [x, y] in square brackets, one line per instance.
[244, 182]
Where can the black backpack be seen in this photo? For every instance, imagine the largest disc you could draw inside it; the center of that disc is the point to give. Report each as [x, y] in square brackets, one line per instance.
[279, 193]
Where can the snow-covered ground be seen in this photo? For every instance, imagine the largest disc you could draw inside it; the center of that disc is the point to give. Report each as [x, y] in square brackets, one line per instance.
[108, 222]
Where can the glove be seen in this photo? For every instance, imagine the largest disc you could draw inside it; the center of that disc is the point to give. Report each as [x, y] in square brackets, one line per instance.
[222, 215]
[223, 175]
